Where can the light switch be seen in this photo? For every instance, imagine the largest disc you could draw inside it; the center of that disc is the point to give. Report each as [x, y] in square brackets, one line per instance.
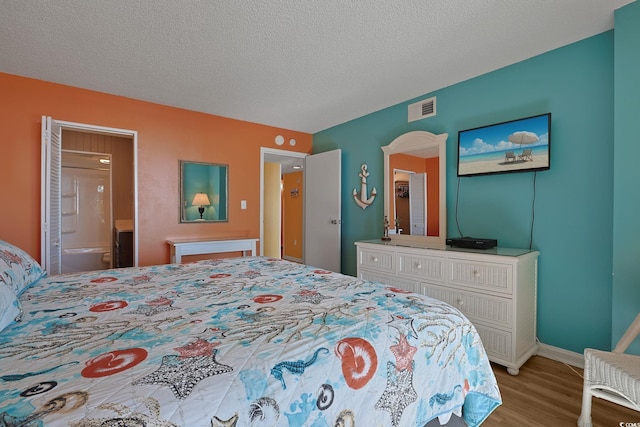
[243, 204]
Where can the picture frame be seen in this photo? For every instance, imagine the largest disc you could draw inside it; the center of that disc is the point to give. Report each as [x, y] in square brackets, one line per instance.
[204, 192]
[521, 145]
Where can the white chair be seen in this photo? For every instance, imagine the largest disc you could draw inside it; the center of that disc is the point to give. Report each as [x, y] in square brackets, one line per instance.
[612, 375]
[527, 154]
[509, 156]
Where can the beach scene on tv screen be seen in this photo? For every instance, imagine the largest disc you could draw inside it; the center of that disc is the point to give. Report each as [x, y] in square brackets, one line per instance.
[514, 146]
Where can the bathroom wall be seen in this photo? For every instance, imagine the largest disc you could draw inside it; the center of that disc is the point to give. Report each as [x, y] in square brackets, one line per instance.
[121, 150]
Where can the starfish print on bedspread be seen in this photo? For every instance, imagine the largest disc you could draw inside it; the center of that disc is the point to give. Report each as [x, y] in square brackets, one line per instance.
[199, 347]
[151, 310]
[404, 353]
[137, 280]
[250, 274]
[182, 374]
[127, 416]
[398, 394]
[313, 297]
[404, 325]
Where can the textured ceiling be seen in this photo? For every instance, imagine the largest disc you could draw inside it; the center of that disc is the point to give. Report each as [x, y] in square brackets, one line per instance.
[295, 64]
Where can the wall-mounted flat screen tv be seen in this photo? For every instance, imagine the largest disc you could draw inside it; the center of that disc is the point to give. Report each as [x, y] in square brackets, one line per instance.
[521, 145]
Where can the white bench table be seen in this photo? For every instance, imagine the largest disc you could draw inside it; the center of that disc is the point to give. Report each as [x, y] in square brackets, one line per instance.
[200, 246]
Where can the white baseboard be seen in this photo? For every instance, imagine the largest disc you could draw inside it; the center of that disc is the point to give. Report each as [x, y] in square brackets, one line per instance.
[561, 355]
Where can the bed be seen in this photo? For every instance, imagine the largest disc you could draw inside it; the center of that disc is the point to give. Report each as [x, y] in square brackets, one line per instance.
[248, 341]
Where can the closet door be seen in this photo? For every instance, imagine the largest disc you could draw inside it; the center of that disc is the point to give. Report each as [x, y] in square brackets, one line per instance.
[50, 196]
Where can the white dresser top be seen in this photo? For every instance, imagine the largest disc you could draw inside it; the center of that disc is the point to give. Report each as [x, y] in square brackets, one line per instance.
[493, 251]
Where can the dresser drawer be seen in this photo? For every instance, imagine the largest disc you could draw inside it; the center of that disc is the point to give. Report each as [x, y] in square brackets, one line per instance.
[485, 275]
[422, 267]
[378, 260]
[391, 281]
[497, 343]
[486, 308]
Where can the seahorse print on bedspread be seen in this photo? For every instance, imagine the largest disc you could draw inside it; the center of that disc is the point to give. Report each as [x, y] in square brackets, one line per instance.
[297, 367]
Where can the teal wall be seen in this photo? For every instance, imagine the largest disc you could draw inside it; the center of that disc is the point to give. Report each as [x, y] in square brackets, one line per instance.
[573, 200]
[626, 227]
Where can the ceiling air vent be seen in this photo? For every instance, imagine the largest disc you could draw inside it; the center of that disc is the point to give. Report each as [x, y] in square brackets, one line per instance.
[422, 109]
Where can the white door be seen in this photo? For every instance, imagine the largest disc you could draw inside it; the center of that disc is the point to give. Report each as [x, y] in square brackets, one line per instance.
[50, 252]
[417, 196]
[322, 214]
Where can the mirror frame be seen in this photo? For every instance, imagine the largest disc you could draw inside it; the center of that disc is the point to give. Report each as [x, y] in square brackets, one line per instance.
[407, 143]
[213, 193]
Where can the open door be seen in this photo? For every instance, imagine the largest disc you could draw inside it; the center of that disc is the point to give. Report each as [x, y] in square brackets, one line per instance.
[417, 203]
[322, 210]
[51, 248]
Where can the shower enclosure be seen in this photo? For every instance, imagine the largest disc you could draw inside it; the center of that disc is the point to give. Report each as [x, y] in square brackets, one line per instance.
[86, 223]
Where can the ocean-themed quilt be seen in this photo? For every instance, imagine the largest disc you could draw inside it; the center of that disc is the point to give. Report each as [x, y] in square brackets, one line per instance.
[247, 341]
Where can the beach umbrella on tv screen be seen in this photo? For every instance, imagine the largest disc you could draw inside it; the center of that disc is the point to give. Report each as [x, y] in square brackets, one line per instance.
[523, 137]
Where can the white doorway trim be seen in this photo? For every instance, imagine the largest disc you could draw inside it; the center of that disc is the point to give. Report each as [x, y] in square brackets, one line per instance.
[119, 132]
[268, 152]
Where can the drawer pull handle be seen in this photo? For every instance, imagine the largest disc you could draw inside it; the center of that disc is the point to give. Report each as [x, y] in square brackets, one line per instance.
[476, 273]
[374, 259]
[418, 265]
[460, 302]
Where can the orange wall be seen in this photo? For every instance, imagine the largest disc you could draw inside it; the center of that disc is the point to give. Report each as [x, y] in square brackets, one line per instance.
[165, 136]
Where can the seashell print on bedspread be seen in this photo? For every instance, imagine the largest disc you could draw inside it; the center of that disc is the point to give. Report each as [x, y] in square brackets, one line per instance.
[247, 341]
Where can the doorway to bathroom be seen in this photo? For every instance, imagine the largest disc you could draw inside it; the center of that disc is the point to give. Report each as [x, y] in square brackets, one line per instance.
[89, 197]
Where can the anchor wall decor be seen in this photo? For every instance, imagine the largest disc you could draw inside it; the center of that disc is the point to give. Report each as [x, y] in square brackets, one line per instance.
[362, 200]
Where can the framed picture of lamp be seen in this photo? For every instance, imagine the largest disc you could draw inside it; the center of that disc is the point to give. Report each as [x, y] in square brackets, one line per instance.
[204, 192]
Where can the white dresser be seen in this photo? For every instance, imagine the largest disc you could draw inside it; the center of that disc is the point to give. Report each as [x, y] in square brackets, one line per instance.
[494, 288]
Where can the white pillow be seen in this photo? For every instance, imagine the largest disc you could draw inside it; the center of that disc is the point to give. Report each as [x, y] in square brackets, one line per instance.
[18, 269]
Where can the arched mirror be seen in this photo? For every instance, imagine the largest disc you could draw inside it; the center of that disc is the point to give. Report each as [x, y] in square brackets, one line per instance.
[415, 189]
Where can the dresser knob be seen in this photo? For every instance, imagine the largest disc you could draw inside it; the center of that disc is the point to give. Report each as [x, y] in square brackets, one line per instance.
[418, 266]
[476, 273]
[374, 259]
[460, 303]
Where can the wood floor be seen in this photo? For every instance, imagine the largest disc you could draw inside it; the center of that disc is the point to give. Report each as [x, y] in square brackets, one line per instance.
[549, 393]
